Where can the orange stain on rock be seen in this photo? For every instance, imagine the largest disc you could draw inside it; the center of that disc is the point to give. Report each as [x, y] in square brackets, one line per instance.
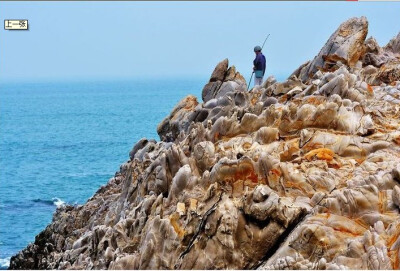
[382, 201]
[396, 140]
[245, 172]
[344, 224]
[335, 165]
[190, 103]
[283, 98]
[346, 231]
[321, 153]
[254, 99]
[370, 89]
[174, 219]
[216, 136]
[314, 101]
[241, 176]
[312, 146]
[276, 172]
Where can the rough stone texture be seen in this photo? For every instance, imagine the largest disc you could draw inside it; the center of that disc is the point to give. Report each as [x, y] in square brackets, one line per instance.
[170, 127]
[394, 45]
[389, 72]
[345, 45]
[222, 81]
[301, 174]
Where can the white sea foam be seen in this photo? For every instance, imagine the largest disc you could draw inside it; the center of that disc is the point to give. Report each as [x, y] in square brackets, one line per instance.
[58, 202]
[5, 263]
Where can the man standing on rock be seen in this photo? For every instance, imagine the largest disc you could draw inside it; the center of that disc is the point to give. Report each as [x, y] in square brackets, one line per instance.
[259, 66]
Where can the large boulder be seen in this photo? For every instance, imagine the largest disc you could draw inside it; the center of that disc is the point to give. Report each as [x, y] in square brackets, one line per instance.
[385, 60]
[346, 45]
[393, 45]
[219, 71]
[389, 72]
[223, 80]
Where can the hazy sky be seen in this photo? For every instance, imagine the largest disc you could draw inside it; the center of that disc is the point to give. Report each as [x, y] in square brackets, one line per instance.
[107, 40]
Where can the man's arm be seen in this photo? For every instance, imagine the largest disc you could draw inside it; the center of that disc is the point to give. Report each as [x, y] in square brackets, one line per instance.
[256, 62]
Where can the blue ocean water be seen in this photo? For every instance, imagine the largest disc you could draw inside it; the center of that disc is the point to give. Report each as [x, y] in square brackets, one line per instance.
[60, 141]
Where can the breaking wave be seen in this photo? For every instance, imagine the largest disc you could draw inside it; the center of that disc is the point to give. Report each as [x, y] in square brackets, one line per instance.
[54, 201]
[5, 263]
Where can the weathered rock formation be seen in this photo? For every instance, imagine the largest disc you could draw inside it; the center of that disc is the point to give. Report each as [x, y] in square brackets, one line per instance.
[301, 174]
[345, 45]
[222, 81]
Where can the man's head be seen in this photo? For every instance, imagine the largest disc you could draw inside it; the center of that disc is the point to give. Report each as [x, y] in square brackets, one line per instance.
[257, 49]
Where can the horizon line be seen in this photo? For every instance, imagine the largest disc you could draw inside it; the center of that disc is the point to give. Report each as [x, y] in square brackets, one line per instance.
[117, 78]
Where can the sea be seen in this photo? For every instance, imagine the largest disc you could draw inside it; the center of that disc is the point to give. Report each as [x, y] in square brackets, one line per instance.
[61, 140]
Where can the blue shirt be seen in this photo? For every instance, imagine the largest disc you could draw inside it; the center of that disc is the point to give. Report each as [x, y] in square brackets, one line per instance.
[260, 62]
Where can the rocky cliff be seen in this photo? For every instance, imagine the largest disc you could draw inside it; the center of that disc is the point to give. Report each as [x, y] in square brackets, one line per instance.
[301, 174]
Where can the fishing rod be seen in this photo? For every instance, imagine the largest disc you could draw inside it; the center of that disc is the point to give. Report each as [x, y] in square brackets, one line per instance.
[253, 71]
[264, 42]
